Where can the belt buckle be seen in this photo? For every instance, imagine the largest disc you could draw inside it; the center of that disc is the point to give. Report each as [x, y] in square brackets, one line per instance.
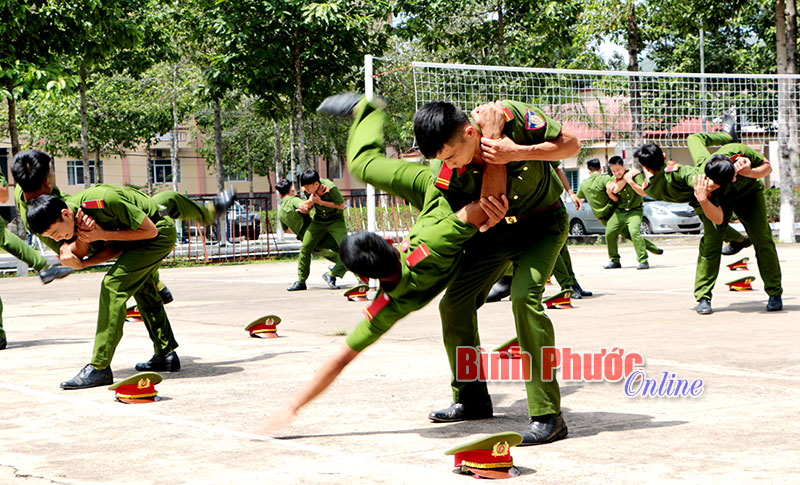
[511, 219]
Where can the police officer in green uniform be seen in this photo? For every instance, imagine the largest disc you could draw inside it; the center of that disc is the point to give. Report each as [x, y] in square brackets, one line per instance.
[594, 191]
[16, 247]
[292, 219]
[325, 204]
[120, 223]
[531, 238]
[427, 260]
[735, 170]
[628, 214]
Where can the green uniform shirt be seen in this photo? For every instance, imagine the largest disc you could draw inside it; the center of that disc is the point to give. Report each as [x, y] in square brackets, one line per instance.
[531, 185]
[291, 219]
[331, 193]
[593, 189]
[114, 208]
[673, 183]
[22, 208]
[439, 234]
[628, 198]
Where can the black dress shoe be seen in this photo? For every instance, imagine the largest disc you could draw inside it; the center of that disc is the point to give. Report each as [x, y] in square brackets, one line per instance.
[612, 265]
[704, 307]
[298, 285]
[88, 377]
[500, 290]
[729, 127]
[223, 201]
[544, 429]
[54, 272]
[463, 412]
[577, 290]
[644, 265]
[340, 104]
[3, 343]
[166, 295]
[659, 251]
[734, 247]
[168, 362]
[331, 280]
[775, 303]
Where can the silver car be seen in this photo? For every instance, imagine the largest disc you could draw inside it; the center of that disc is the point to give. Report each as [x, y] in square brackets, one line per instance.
[663, 217]
[659, 218]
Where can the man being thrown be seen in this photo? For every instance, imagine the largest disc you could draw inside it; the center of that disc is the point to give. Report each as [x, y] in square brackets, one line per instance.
[326, 206]
[531, 237]
[292, 218]
[426, 263]
[122, 223]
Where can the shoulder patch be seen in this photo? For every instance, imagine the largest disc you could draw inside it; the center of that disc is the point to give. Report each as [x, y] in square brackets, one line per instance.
[93, 204]
[533, 121]
[508, 113]
[672, 167]
[443, 180]
[418, 255]
[380, 302]
[735, 157]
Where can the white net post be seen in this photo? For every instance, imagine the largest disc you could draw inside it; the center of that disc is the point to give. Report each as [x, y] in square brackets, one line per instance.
[369, 93]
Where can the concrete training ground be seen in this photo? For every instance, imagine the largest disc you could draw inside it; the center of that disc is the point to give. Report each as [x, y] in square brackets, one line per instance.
[371, 425]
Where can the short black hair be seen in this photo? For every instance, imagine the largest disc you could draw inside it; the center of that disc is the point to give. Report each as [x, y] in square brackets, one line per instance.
[435, 124]
[309, 177]
[616, 160]
[30, 169]
[368, 254]
[283, 186]
[720, 169]
[650, 157]
[593, 164]
[43, 212]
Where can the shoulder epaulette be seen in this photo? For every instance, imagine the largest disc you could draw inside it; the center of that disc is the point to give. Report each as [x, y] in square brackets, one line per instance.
[379, 304]
[418, 255]
[93, 204]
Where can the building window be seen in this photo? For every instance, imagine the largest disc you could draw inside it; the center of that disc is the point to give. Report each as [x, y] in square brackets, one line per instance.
[162, 171]
[573, 179]
[75, 175]
[236, 176]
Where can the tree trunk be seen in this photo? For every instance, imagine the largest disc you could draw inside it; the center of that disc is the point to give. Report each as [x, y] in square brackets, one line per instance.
[278, 162]
[633, 65]
[501, 48]
[149, 168]
[13, 129]
[173, 145]
[791, 68]
[249, 163]
[292, 159]
[301, 136]
[84, 128]
[786, 224]
[223, 221]
[98, 170]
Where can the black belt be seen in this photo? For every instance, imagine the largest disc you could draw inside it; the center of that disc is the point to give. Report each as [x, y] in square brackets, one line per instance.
[514, 219]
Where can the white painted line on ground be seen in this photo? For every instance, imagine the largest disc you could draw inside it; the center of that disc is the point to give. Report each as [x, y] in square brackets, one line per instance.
[121, 410]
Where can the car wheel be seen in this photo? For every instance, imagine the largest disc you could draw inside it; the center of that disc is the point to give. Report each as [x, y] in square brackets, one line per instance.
[645, 227]
[576, 228]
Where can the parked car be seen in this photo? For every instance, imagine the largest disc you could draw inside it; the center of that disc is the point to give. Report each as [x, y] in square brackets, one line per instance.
[243, 222]
[664, 217]
[659, 218]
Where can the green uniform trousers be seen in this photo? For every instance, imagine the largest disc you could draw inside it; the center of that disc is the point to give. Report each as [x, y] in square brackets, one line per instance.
[752, 212]
[562, 270]
[316, 232]
[20, 250]
[632, 222]
[532, 246]
[135, 274]
[181, 207]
